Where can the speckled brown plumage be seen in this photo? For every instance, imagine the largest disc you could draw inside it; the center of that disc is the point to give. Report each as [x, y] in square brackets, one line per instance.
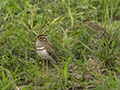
[97, 29]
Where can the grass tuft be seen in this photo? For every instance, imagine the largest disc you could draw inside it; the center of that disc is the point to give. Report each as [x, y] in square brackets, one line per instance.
[84, 62]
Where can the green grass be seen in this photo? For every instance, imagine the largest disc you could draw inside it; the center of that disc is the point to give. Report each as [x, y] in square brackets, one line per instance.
[83, 66]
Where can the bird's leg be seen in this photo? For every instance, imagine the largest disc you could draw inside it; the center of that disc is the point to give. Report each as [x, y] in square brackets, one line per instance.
[43, 72]
[46, 66]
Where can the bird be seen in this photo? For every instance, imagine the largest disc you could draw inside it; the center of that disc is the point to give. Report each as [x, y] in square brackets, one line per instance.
[97, 29]
[45, 50]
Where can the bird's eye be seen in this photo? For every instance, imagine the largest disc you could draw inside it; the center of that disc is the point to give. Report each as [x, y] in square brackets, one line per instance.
[40, 38]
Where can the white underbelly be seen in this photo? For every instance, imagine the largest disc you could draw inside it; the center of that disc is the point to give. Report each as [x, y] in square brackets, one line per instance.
[43, 54]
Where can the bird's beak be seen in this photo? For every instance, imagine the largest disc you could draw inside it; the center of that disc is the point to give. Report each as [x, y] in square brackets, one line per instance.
[36, 38]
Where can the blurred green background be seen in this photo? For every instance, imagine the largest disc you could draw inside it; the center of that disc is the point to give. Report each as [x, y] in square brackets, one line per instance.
[62, 21]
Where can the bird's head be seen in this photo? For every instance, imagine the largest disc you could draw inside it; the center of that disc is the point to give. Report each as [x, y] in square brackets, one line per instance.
[42, 37]
[87, 21]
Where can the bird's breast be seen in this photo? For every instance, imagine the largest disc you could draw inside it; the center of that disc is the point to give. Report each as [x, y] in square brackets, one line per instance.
[40, 48]
[42, 52]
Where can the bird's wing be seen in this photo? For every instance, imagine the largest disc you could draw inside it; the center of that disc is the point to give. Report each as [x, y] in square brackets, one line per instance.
[50, 49]
[98, 29]
[95, 27]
